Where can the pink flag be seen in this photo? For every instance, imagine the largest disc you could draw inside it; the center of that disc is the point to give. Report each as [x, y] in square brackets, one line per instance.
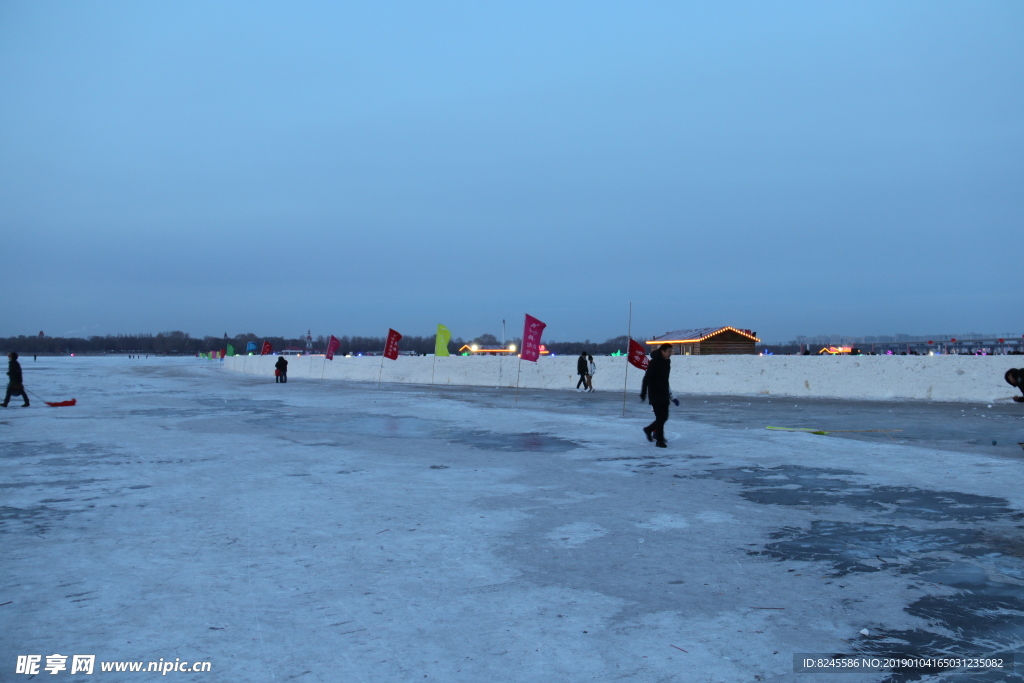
[391, 347]
[637, 355]
[332, 346]
[532, 329]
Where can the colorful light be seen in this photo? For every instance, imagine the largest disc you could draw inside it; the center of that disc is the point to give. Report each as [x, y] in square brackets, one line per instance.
[707, 336]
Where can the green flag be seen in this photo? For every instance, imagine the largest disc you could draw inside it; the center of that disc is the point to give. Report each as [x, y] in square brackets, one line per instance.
[441, 343]
[231, 350]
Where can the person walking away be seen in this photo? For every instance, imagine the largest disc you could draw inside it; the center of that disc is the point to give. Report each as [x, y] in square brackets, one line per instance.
[15, 385]
[581, 370]
[591, 369]
[655, 388]
[281, 374]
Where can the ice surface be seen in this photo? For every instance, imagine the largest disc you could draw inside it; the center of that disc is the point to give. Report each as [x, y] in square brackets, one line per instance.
[339, 532]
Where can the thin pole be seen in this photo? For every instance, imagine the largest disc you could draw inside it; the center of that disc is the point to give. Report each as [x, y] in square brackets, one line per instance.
[629, 338]
[381, 373]
[517, 377]
[324, 369]
[433, 365]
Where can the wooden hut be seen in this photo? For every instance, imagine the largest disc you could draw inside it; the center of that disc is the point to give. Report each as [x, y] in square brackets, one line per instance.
[705, 341]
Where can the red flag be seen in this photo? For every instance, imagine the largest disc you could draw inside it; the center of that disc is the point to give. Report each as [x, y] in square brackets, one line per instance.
[638, 355]
[267, 349]
[391, 347]
[332, 346]
[532, 330]
[223, 353]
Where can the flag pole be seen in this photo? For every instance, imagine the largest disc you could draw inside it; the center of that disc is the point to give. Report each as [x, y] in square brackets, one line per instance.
[381, 373]
[518, 372]
[433, 365]
[629, 337]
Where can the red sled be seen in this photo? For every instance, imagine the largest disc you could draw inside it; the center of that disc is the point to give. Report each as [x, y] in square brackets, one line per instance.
[60, 404]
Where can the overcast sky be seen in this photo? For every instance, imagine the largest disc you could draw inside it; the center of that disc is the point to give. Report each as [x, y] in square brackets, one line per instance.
[793, 168]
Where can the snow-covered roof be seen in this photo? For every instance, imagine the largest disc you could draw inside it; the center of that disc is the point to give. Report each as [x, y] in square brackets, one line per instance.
[697, 334]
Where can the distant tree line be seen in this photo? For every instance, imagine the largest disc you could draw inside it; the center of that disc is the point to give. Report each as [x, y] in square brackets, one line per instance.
[605, 348]
[179, 343]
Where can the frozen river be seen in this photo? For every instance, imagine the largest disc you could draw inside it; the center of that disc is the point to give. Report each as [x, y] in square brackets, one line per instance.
[339, 532]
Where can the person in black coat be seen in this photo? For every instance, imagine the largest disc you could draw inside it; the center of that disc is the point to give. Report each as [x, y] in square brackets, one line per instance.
[15, 385]
[655, 388]
[282, 370]
[1015, 378]
[581, 370]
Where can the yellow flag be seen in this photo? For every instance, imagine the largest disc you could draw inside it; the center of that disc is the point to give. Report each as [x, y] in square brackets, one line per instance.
[441, 343]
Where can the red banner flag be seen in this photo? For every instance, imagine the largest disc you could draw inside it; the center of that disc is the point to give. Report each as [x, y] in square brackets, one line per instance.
[332, 346]
[391, 347]
[532, 330]
[267, 349]
[638, 355]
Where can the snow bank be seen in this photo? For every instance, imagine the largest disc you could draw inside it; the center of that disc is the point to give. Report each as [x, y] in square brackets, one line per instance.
[928, 378]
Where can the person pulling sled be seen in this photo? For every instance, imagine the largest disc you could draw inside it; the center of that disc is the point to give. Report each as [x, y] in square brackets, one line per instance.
[15, 384]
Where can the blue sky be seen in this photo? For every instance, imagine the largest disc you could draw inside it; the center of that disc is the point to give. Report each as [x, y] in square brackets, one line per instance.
[794, 168]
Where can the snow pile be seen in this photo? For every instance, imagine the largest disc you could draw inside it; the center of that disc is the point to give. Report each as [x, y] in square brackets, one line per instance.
[929, 378]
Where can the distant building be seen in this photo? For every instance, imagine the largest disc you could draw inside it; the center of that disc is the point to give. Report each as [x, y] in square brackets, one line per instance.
[493, 350]
[706, 341]
[836, 350]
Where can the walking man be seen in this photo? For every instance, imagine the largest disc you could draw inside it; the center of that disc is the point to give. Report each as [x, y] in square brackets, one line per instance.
[655, 388]
[15, 385]
[581, 370]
